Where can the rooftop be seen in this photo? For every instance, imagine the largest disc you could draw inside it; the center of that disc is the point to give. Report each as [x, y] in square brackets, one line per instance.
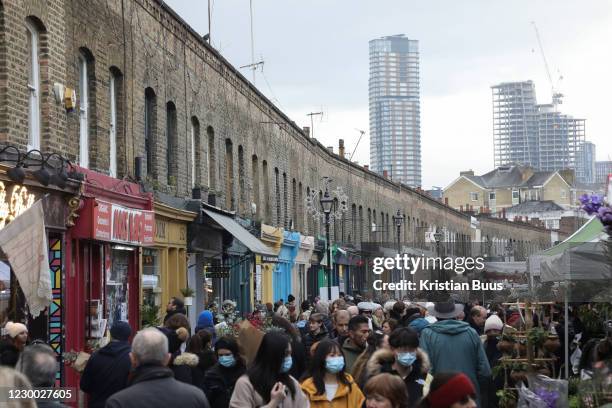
[534, 206]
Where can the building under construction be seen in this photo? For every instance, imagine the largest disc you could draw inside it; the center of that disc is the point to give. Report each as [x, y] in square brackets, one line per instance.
[531, 134]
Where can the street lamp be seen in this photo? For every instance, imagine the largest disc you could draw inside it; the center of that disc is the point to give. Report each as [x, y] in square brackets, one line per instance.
[326, 204]
[438, 238]
[398, 219]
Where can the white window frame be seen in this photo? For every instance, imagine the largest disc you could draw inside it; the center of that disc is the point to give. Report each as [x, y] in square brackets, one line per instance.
[33, 88]
[112, 170]
[83, 113]
[472, 195]
[515, 200]
[193, 156]
[492, 195]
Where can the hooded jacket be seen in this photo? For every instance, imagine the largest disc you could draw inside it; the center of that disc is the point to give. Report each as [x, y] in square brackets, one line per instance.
[382, 362]
[106, 372]
[154, 386]
[185, 369]
[345, 396]
[452, 345]
[206, 322]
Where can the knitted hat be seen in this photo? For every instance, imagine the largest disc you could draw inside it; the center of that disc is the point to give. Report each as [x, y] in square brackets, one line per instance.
[15, 329]
[454, 390]
[493, 322]
[121, 331]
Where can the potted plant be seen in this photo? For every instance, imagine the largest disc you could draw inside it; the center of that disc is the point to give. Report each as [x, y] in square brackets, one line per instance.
[507, 398]
[537, 336]
[552, 343]
[187, 296]
[519, 373]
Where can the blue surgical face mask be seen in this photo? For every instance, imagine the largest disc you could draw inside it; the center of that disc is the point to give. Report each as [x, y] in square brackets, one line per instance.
[334, 364]
[287, 363]
[406, 359]
[227, 361]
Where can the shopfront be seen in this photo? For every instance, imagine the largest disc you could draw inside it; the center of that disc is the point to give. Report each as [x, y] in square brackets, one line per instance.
[316, 272]
[115, 224]
[59, 208]
[282, 280]
[300, 268]
[273, 238]
[164, 266]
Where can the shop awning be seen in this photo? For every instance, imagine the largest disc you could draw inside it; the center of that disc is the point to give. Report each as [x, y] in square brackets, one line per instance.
[241, 234]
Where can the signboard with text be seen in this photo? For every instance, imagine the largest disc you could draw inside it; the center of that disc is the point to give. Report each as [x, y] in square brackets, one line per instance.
[115, 223]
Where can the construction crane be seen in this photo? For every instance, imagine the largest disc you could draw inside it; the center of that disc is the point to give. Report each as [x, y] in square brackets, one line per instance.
[557, 97]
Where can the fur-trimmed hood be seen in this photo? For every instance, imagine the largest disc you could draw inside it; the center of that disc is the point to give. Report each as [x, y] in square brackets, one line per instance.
[188, 359]
[383, 359]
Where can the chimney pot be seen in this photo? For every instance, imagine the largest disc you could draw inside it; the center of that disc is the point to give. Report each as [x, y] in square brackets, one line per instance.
[306, 130]
[330, 148]
[366, 166]
[385, 173]
[341, 148]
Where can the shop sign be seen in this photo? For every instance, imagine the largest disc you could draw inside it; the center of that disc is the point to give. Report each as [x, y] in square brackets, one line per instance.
[13, 202]
[214, 271]
[115, 223]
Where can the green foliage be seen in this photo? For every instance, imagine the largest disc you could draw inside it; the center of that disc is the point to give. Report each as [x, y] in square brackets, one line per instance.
[187, 292]
[150, 315]
[537, 336]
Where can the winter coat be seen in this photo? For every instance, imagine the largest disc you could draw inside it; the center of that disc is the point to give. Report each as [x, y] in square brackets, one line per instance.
[154, 386]
[298, 353]
[382, 362]
[106, 372]
[453, 345]
[345, 397]
[245, 396]
[173, 312]
[490, 387]
[351, 352]
[9, 354]
[219, 384]
[185, 369]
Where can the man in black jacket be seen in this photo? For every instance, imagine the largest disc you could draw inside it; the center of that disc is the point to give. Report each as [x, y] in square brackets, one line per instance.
[175, 306]
[107, 370]
[153, 384]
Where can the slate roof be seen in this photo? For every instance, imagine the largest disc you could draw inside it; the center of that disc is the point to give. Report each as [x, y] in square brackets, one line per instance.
[534, 206]
[512, 177]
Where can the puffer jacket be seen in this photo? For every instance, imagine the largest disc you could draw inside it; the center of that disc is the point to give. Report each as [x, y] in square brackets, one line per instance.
[345, 396]
[382, 362]
[185, 369]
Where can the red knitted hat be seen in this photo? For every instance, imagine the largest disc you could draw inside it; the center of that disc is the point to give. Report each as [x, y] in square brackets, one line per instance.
[454, 390]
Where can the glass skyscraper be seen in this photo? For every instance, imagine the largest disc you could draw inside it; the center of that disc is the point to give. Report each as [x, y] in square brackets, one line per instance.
[395, 113]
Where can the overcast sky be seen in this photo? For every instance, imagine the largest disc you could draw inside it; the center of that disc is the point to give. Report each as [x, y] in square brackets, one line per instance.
[316, 58]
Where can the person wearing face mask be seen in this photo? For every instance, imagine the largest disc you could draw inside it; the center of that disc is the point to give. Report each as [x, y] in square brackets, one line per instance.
[328, 385]
[219, 381]
[404, 359]
[267, 383]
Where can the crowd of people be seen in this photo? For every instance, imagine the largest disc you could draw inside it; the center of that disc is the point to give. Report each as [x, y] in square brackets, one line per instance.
[392, 354]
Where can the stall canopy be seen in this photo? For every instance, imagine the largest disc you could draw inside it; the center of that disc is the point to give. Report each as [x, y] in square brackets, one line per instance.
[580, 257]
[241, 234]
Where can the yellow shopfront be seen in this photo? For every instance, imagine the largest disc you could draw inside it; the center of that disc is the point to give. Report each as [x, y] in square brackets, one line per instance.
[164, 266]
[273, 238]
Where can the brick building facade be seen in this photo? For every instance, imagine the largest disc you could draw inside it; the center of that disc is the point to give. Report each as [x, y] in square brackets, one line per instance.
[157, 91]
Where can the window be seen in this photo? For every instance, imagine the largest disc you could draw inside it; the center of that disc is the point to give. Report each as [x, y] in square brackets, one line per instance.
[195, 152]
[210, 159]
[112, 170]
[255, 177]
[229, 174]
[150, 128]
[474, 196]
[563, 193]
[241, 180]
[492, 196]
[83, 112]
[171, 144]
[515, 197]
[33, 86]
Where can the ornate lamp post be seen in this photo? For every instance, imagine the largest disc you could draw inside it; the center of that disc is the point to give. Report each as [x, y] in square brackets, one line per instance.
[323, 208]
[398, 219]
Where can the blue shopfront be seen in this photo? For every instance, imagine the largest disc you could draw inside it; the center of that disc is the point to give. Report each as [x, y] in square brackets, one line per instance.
[286, 258]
